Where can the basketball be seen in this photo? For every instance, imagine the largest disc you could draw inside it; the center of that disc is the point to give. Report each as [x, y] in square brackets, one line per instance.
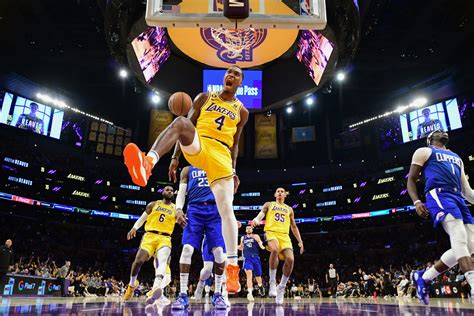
[180, 103]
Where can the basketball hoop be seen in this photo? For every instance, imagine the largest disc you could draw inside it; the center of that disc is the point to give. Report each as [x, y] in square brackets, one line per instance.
[235, 41]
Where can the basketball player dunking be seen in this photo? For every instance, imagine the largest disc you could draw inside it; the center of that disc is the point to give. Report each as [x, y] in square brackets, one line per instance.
[160, 220]
[279, 217]
[209, 139]
[446, 186]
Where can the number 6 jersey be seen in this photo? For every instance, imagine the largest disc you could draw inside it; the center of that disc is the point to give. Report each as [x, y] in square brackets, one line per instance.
[278, 218]
[162, 218]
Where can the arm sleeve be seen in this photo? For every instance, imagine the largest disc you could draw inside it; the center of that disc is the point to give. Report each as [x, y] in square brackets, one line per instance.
[181, 198]
[420, 156]
[140, 221]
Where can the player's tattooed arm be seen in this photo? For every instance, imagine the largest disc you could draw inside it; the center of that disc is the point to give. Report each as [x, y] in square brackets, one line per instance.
[419, 159]
[257, 220]
[181, 218]
[140, 221]
[466, 189]
[193, 115]
[296, 231]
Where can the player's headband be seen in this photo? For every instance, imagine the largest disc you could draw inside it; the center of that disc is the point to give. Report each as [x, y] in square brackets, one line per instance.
[428, 139]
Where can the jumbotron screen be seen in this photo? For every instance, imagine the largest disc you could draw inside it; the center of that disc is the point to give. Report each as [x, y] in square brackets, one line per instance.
[250, 93]
[314, 51]
[418, 124]
[152, 50]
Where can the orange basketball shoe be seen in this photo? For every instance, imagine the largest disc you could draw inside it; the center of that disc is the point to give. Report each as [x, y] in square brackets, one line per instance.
[233, 284]
[138, 164]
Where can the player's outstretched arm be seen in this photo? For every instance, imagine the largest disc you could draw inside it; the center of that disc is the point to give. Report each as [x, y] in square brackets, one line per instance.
[259, 241]
[296, 231]
[241, 245]
[193, 115]
[140, 221]
[466, 189]
[257, 220]
[181, 198]
[419, 159]
[244, 116]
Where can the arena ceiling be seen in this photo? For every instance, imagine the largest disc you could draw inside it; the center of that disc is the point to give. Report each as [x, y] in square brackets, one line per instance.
[62, 45]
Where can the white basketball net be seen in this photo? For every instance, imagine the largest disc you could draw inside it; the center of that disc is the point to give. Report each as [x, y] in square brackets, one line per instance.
[235, 41]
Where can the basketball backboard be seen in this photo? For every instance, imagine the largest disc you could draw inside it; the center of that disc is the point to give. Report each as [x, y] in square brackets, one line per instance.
[264, 14]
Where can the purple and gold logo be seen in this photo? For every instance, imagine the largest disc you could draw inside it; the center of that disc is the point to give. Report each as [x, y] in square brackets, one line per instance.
[234, 45]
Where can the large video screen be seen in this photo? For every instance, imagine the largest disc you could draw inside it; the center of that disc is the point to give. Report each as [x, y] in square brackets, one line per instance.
[418, 124]
[250, 93]
[314, 51]
[30, 115]
[152, 50]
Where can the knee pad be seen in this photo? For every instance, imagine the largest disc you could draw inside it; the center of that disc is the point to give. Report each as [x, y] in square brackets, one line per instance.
[457, 236]
[470, 237]
[219, 255]
[186, 254]
[449, 259]
[206, 270]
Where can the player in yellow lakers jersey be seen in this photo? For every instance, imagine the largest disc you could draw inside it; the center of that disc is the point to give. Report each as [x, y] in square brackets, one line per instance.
[160, 218]
[279, 218]
[209, 139]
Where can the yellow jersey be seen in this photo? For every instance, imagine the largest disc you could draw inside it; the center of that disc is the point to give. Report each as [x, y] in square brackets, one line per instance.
[278, 218]
[162, 218]
[219, 119]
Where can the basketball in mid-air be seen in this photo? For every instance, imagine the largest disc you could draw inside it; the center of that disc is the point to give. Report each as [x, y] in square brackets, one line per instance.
[180, 103]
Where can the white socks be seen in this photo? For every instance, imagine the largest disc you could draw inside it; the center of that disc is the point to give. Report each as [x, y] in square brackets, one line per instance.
[273, 273]
[430, 274]
[154, 156]
[218, 282]
[284, 280]
[470, 278]
[183, 283]
[133, 279]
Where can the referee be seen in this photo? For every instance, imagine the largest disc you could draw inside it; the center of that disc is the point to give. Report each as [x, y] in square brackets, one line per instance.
[6, 259]
[332, 278]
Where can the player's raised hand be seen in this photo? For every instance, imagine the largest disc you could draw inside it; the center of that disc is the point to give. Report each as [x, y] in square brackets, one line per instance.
[181, 218]
[172, 169]
[301, 247]
[421, 210]
[131, 234]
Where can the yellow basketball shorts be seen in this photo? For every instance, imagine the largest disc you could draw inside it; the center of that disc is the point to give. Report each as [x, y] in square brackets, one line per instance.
[214, 158]
[284, 241]
[151, 243]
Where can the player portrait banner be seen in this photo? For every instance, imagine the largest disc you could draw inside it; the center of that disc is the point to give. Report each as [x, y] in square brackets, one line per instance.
[265, 137]
[159, 120]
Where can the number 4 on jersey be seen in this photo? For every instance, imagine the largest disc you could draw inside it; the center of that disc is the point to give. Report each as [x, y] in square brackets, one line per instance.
[220, 121]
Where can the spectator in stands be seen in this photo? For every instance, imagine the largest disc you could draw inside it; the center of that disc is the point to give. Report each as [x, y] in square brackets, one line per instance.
[62, 278]
[6, 259]
[402, 286]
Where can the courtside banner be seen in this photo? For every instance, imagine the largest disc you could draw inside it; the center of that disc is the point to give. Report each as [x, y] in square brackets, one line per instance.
[265, 137]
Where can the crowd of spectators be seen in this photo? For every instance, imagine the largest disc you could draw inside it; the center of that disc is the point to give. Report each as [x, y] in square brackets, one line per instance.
[376, 258]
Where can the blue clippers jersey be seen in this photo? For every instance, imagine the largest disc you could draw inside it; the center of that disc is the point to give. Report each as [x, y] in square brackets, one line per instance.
[250, 247]
[198, 187]
[442, 170]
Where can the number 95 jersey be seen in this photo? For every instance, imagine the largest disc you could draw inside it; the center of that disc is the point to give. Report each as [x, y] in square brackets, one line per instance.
[278, 218]
[219, 119]
[162, 218]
